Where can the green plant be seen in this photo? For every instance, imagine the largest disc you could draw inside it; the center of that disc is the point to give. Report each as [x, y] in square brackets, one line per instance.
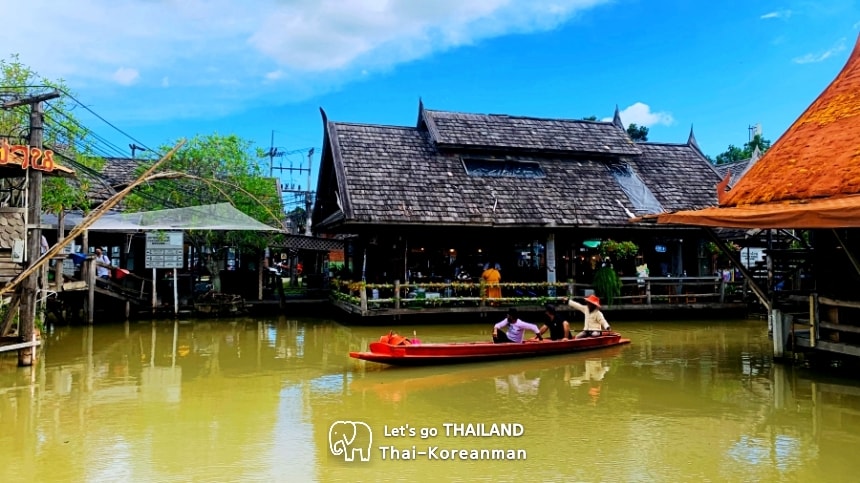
[618, 250]
[607, 284]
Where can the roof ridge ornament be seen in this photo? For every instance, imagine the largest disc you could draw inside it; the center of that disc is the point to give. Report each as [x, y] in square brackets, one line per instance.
[691, 140]
[616, 118]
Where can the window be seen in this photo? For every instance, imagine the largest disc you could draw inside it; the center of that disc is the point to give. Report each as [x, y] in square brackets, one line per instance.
[498, 168]
[640, 196]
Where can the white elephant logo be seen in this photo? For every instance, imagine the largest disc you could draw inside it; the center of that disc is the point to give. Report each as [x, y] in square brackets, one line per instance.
[350, 438]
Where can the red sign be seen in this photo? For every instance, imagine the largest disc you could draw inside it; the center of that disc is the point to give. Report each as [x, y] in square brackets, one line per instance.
[26, 156]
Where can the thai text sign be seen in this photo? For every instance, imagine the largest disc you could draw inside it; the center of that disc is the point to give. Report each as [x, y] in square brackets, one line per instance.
[164, 249]
[26, 156]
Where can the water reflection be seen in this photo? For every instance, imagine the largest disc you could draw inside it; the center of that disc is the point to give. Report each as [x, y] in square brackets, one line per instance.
[253, 399]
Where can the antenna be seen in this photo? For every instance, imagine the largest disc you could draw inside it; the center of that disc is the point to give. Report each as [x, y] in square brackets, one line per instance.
[135, 147]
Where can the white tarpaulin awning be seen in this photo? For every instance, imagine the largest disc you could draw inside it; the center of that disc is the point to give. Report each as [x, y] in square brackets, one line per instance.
[221, 216]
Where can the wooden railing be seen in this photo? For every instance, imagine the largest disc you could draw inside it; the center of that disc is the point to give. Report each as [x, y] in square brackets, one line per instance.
[646, 291]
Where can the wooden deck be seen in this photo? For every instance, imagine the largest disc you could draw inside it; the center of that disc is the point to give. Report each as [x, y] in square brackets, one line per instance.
[638, 295]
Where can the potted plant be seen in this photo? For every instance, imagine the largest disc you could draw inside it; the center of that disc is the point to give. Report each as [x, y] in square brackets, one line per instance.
[607, 284]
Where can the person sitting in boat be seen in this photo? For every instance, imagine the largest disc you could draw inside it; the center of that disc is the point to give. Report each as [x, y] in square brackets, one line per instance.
[516, 328]
[558, 327]
[595, 322]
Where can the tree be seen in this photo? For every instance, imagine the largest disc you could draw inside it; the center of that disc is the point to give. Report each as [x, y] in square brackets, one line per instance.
[214, 169]
[637, 133]
[590, 118]
[63, 134]
[734, 154]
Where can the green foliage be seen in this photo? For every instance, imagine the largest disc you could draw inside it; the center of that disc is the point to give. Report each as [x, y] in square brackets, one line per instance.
[637, 133]
[590, 118]
[63, 134]
[618, 250]
[607, 284]
[803, 243]
[214, 169]
[734, 153]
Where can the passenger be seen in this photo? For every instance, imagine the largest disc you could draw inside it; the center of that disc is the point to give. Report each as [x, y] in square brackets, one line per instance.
[516, 328]
[594, 320]
[558, 327]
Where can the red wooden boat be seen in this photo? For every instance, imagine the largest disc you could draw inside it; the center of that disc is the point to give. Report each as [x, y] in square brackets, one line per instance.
[459, 352]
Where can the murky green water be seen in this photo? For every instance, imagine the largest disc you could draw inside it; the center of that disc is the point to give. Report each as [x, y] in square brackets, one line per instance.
[254, 400]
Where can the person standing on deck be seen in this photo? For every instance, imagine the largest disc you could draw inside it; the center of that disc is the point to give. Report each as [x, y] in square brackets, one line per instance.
[492, 276]
[102, 271]
[516, 328]
[595, 322]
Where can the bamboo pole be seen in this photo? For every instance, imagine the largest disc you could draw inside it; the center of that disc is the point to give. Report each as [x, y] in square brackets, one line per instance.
[90, 219]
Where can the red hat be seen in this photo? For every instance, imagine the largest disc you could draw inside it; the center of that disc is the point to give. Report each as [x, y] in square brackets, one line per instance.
[592, 299]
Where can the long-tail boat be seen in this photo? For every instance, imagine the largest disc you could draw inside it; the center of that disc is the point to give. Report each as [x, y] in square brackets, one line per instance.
[404, 353]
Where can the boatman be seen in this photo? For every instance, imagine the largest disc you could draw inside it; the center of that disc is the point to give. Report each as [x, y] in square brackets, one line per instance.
[595, 323]
[516, 328]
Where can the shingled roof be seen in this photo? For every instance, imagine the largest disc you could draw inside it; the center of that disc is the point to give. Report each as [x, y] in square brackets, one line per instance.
[529, 134]
[386, 175]
[818, 156]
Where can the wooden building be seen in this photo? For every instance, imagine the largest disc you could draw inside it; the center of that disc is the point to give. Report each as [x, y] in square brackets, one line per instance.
[809, 180]
[457, 191]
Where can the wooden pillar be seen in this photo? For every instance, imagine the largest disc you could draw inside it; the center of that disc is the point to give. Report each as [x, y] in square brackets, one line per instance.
[397, 294]
[648, 290]
[91, 286]
[154, 292]
[58, 264]
[29, 288]
[175, 293]
[127, 310]
[551, 274]
[363, 298]
[261, 269]
[778, 334]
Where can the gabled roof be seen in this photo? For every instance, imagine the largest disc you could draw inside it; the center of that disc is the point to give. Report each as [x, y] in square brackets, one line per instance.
[530, 134]
[121, 171]
[818, 156]
[384, 175]
[738, 168]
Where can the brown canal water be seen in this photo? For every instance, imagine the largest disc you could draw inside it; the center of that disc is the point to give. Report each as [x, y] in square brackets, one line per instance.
[255, 400]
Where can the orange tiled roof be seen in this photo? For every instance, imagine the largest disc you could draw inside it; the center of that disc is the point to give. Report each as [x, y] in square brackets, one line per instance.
[818, 156]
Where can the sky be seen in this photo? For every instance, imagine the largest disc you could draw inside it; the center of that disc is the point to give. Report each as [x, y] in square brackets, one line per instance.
[160, 70]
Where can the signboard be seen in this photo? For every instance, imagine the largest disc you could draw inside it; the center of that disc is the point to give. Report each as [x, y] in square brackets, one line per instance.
[749, 256]
[26, 156]
[164, 249]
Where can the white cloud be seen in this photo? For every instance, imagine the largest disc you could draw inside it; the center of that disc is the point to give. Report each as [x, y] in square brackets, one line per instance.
[274, 75]
[821, 56]
[296, 35]
[226, 50]
[640, 114]
[125, 76]
[777, 14]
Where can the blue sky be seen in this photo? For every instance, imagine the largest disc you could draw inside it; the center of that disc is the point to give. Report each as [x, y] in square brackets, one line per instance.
[161, 70]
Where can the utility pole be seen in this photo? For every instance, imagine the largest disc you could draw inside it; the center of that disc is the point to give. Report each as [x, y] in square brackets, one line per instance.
[29, 288]
[308, 200]
[272, 152]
